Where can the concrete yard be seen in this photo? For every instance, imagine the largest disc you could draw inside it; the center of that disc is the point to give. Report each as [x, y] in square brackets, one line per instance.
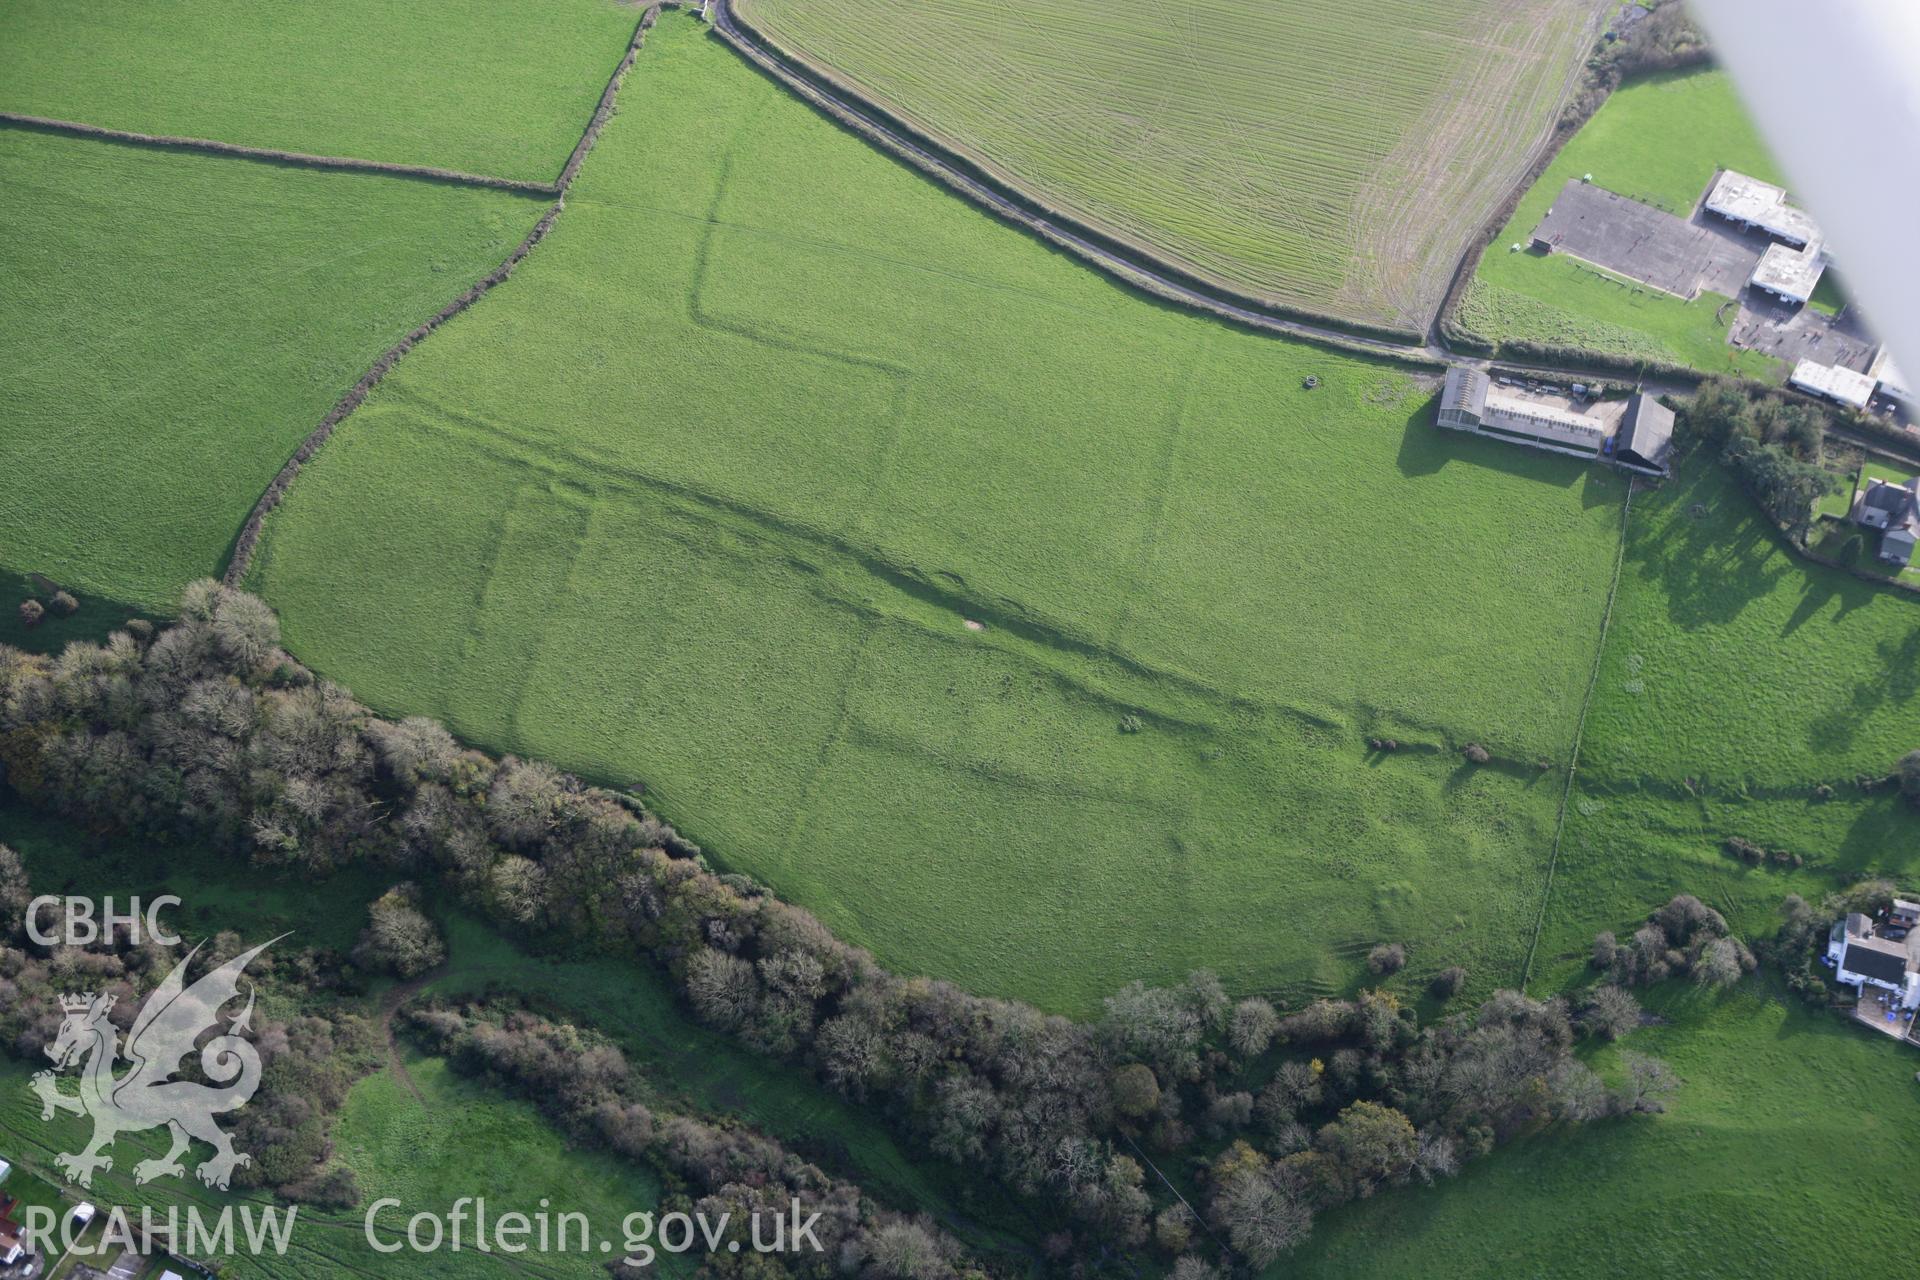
[1802, 333]
[1699, 253]
[1681, 256]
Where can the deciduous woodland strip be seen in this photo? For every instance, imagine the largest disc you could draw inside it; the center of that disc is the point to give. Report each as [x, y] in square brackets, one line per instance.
[249, 539]
[271, 156]
[1143, 271]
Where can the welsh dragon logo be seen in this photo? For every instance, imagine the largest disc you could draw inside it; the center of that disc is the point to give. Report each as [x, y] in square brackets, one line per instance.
[146, 1096]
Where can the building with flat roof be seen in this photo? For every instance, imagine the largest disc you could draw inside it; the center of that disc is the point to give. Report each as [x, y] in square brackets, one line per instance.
[1789, 274]
[1840, 385]
[1887, 377]
[1791, 269]
[1760, 206]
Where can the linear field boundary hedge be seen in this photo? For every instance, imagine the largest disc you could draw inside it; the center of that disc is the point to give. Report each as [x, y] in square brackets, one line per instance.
[299, 159]
[1136, 266]
[248, 542]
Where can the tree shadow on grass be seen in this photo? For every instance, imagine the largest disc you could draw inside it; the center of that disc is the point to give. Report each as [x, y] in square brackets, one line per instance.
[1897, 681]
[1706, 549]
[96, 619]
[1824, 586]
[1426, 448]
[1880, 839]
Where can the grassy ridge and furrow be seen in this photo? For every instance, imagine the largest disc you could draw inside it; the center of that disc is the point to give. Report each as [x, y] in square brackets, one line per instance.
[172, 325]
[704, 496]
[1657, 140]
[500, 87]
[1306, 153]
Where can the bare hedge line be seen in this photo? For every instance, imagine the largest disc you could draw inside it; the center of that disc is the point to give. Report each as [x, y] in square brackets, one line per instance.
[248, 542]
[1059, 228]
[299, 159]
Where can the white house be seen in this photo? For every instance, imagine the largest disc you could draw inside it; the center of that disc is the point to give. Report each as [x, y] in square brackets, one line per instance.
[1861, 959]
[1894, 509]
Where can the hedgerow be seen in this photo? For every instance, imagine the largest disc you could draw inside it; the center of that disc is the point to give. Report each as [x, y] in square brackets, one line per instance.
[208, 731]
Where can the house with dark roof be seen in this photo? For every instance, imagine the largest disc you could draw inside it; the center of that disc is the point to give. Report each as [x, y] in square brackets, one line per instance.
[1862, 958]
[1894, 509]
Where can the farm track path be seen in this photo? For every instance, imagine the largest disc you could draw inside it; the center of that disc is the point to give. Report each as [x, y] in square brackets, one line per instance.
[389, 1015]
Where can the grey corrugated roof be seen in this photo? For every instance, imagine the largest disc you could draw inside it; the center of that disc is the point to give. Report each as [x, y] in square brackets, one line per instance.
[1466, 389]
[1646, 433]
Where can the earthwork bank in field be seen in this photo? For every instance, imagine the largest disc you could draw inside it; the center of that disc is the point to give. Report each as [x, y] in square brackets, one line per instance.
[1737, 680]
[499, 87]
[704, 496]
[1322, 154]
[171, 326]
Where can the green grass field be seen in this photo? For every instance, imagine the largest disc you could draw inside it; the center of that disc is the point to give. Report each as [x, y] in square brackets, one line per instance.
[429, 1138]
[704, 497]
[1658, 140]
[1759, 675]
[500, 87]
[1734, 663]
[459, 1139]
[175, 324]
[1776, 1158]
[1322, 154]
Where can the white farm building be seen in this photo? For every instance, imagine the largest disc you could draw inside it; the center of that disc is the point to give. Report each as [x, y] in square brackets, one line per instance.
[1861, 958]
[1789, 269]
[1833, 382]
